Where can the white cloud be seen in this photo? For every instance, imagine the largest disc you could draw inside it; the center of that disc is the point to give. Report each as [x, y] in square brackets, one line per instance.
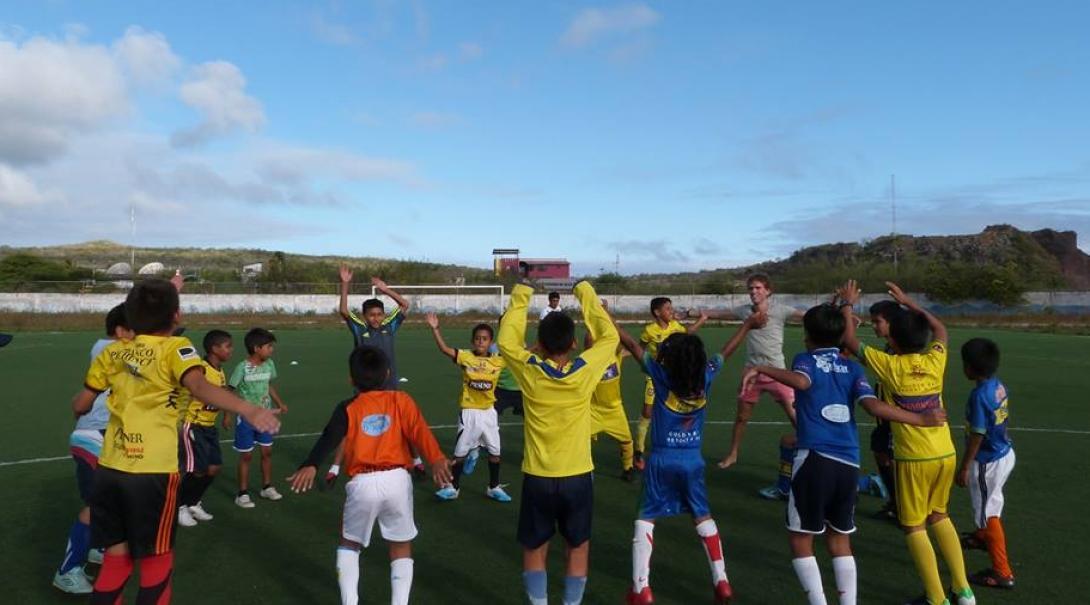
[217, 91]
[293, 165]
[17, 189]
[146, 56]
[593, 23]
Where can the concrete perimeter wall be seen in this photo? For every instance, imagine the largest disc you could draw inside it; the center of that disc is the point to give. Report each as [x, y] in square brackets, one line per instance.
[1069, 303]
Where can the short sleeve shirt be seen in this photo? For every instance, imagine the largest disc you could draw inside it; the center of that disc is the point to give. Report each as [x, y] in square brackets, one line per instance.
[480, 375]
[826, 411]
[252, 381]
[198, 412]
[99, 416]
[381, 338]
[764, 346]
[987, 415]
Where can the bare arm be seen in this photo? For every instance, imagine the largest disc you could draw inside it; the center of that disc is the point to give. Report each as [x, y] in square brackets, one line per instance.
[791, 378]
[972, 447]
[937, 327]
[721, 314]
[261, 419]
[275, 396]
[701, 320]
[878, 409]
[82, 402]
[849, 295]
[753, 321]
[346, 282]
[385, 289]
[631, 344]
[433, 322]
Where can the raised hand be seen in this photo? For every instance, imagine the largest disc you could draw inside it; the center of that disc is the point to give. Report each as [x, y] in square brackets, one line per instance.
[378, 283]
[177, 280]
[433, 320]
[849, 292]
[899, 295]
[346, 274]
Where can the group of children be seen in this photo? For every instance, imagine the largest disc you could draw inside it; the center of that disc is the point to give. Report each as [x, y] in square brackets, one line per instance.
[566, 397]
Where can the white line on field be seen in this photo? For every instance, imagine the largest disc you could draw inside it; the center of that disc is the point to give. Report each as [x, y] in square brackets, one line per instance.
[454, 426]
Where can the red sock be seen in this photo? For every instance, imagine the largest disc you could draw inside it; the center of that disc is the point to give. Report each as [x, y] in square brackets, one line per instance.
[997, 547]
[115, 572]
[155, 572]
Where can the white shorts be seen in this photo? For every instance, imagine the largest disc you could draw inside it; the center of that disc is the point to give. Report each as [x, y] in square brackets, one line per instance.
[477, 427]
[986, 481]
[383, 496]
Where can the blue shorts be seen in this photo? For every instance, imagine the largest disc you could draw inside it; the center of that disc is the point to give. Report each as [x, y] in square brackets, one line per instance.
[673, 483]
[246, 436]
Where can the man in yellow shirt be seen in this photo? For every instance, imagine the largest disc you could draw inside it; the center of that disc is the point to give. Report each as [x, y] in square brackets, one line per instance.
[912, 378]
[557, 489]
[133, 501]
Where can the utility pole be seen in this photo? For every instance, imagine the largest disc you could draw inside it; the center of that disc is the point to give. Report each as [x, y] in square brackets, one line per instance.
[893, 214]
[132, 239]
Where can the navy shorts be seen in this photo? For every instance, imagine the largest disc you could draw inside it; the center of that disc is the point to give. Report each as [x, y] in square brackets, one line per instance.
[823, 493]
[673, 483]
[136, 508]
[246, 436]
[549, 503]
[508, 399]
[881, 439]
[198, 448]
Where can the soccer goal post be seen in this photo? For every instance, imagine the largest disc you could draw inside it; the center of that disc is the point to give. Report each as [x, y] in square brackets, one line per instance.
[449, 299]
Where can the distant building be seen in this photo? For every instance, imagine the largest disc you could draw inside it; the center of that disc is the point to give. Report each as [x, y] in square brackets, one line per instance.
[252, 270]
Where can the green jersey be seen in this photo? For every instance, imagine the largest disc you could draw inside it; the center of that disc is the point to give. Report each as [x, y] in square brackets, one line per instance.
[251, 382]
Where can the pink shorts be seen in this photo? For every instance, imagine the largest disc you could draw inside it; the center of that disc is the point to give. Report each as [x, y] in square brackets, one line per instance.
[779, 391]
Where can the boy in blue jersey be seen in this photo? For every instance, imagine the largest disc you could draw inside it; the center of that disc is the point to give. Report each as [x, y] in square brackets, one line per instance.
[988, 461]
[825, 471]
[673, 480]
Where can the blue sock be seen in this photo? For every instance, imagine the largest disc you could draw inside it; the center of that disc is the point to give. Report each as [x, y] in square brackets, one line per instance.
[536, 583]
[79, 537]
[573, 589]
[864, 483]
[787, 463]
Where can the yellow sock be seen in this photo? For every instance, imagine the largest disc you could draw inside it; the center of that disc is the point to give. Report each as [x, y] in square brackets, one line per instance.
[626, 455]
[946, 536]
[641, 434]
[923, 555]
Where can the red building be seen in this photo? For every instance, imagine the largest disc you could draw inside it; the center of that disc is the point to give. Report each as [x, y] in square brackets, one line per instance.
[507, 260]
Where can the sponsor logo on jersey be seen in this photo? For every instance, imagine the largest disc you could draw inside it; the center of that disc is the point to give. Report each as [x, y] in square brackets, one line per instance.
[187, 353]
[375, 424]
[836, 412]
[480, 385]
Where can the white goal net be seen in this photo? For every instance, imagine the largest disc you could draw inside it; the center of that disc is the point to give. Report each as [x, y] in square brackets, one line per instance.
[449, 299]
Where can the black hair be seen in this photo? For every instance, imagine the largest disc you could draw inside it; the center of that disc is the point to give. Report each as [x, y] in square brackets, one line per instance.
[556, 333]
[257, 337]
[684, 359]
[553, 295]
[486, 328]
[886, 309]
[373, 303]
[116, 319]
[909, 330]
[981, 357]
[368, 367]
[657, 303]
[213, 339]
[151, 306]
[824, 325]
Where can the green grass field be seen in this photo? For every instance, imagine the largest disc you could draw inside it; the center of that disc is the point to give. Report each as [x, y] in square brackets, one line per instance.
[283, 552]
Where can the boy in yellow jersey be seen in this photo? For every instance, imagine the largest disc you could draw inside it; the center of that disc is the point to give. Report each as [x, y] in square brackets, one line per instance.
[557, 490]
[199, 454]
[912, 378]
[478, 423]
[133, 503]
[607, 413]
[665, 324]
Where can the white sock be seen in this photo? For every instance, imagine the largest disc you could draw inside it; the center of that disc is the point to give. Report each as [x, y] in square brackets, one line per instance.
[806, 568]
[401, 581]
[642, 544]
[348, 575]
[844, 569]
[713, 548]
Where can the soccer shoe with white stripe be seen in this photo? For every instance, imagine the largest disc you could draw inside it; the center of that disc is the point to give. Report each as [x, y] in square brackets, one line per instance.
[497, 494]
[771, 493]
[74, 581]
[198, 513]
[94, 556]
[184, 518]
[447, 493]
[470, 463]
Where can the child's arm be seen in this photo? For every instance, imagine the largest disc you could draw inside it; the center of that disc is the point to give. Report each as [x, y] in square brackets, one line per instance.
[791, 378]
[849, 295]
[693, 327]
[755, 320]
[261, 419]
[972, 447]
[82, 402]
[630, 344]
[938, 329]
[433, 323]
[346, 282]
[382, 287]
[302, 480]
[511, 339]
[879, 409]
[275, 396]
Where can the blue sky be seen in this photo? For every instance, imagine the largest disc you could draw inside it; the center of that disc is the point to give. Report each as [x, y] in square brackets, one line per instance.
[671, 135]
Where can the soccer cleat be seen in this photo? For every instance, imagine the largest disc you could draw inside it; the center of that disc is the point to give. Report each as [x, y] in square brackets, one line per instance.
[970, 541]
[628, 475]
[643, 597]
[964, 596]
[447, 493]
[198, 513]
[637, 461]
[244, 501]
[74, 581]
[270, 493]
[878, 487]
[991, 578]
[723, 592]
[771, 493]
[470, 463]
[497, 494]
[184, 518]
[94, 556]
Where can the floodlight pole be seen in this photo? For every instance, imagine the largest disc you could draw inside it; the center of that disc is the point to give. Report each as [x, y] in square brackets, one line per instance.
[893, 212]
[132, 239]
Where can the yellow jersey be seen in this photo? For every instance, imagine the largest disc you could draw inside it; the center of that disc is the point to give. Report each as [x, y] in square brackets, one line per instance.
[653, 334]
[913, 382]
[144, 378]
[197, 412]
[608, 392]
[556, 400]
[479, 378]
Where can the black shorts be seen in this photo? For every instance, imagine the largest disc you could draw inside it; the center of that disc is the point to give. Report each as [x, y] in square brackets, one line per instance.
[881, 439]
[85, 479]
[508, 399]
[551, 502]
[198, 448]
[136, 508]
[823, 493]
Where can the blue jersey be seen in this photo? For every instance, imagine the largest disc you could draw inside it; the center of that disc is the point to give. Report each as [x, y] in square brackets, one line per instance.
[987, 414]
[678, 424]
[96, 419]
[825, 412]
